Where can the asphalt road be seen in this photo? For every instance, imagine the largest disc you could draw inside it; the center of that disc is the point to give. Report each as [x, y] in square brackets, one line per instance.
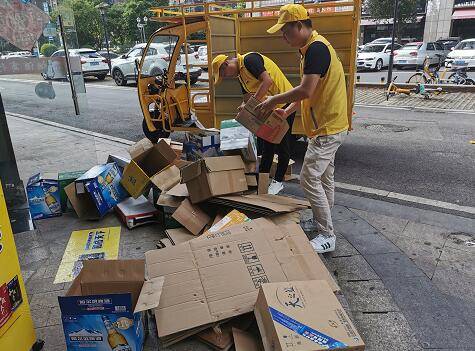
[424, 154]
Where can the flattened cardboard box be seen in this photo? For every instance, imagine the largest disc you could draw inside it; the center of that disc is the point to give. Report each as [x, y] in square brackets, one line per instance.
[304, 316]
[212, 278]
[214, 176]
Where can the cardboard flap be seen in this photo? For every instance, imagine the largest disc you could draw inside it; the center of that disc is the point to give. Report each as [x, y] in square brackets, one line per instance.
[191, 217]
[244, 341]
[150, 294]
[169, 201]
[179, 190]
[224, 163]
[167, 178]
[140, 147]
[263, 184]
[82, 203]
[191, 171]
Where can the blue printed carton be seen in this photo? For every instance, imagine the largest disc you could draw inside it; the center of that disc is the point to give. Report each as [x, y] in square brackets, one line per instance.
[102, 183]
[44, 195]
[103, 309]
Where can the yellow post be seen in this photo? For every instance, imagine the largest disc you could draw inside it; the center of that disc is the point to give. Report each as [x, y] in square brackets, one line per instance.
[16, 325]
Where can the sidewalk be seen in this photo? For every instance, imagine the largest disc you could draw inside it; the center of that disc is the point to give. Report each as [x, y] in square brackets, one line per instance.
[407, 274]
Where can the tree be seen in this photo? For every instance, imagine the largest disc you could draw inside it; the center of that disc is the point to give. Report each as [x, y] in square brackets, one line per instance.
[384, 10]
[48, 49]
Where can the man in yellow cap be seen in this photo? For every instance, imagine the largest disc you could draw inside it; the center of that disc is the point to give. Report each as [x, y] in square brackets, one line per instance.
[323, 100]
[260, 76]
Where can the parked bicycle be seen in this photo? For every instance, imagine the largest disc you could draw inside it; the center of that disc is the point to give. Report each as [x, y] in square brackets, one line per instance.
[435, 76]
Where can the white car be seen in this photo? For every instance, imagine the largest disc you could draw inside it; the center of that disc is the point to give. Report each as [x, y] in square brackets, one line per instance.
[18, 54]
[124, 68]
[414, 54]
[375, 56]
[202, 57]
[463, 54]
[92, 64]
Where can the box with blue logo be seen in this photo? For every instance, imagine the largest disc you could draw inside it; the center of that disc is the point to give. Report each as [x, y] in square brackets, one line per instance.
[44, 195]
[102, 309]
[102, 184]
[204, 144]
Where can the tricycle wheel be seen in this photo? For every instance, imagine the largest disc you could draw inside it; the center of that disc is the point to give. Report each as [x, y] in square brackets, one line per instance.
[155, 135]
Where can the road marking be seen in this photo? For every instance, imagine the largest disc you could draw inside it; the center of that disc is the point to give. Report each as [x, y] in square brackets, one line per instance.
[406, 198]
[420, 109]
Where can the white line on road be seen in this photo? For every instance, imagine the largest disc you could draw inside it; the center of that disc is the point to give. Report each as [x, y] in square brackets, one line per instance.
[357, 188]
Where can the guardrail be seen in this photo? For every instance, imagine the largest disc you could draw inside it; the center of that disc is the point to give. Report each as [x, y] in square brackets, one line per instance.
[446, 87]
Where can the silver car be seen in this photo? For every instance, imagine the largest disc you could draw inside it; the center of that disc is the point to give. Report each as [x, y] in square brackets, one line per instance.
[414, 54]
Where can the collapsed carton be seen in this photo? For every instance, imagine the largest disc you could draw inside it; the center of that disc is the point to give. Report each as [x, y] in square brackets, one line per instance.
[304, 316]
[102, 308]
[199, 145]
[237, 140]
[212, 279]
[150, 165]
[144, 144]
[64, 179]
[44, 196]
[270, 127]
[191, 217]
[214, 176]
[137, 212]
[101, 186]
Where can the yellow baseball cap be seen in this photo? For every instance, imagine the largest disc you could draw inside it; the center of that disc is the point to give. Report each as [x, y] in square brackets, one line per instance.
[216, 65]
[289, 13]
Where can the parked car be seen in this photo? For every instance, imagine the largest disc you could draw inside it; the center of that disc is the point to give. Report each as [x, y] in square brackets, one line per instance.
[463, 54]
[18, 54]
[124, 68]
[449, 43]
[202, 57]
[92, 64]
[382, 40]
[375, 56]
[414, 54]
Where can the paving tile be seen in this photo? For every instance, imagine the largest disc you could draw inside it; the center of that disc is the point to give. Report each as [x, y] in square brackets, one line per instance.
[53, 337]
[424, 254]
[466, 309]
[393, 265]
[372, 244]
[54, 316]
[342, 248]
[354, 227]
[43, 285]
[368, 296]
[28, 240]
[455, 283]
[351, 268]
[34, 255]
[137, 250]
[341, 213]
[40, 316]
[424, 232]
[48, 299]
[458, 260]
[384, 224]
[386, 331]
[434, 319]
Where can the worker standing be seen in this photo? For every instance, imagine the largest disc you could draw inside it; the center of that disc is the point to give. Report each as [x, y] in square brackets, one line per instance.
[323, 100]
[260, 76]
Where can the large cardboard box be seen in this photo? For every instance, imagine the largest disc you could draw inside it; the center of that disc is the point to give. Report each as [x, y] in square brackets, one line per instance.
[64, 179]
[43, 195]
[203, 144]
[304, 316]
[102, 308]
[212, 278]
[214, 176]
[237, 140]
[146, 167]
[191, 217]
[101, 185]
[269, 126]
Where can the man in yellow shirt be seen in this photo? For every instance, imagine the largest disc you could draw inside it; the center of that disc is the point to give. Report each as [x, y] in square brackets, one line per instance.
[323, 100]
[260, 76]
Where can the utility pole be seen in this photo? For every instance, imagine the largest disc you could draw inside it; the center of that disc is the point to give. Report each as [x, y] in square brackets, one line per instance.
[391, 56]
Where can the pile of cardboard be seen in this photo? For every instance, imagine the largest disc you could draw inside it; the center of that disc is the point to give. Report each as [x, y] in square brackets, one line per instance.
[234, 257]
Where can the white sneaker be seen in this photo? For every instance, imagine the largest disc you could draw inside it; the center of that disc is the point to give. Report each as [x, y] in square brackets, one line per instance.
[322, 243]
[275, 187]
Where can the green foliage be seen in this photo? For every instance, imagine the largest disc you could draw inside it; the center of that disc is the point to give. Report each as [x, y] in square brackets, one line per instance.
[48, 49]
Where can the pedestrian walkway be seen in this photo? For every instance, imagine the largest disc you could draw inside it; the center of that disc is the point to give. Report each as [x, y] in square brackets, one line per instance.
[459, 101]
[406, 273]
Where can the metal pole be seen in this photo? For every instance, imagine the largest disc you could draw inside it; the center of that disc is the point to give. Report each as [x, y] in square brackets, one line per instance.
[106, 35]
[68, 66]
[391, 56]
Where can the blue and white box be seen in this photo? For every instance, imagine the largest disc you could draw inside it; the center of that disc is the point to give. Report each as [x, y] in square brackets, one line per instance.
[102, 183]
[44, 195]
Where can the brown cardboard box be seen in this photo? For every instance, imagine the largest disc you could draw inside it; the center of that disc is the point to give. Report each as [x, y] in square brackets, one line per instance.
[214, 176]
[146, 166]
[145, 144]
[263, 184]
[215, 278]
[304, 316]
[191, 217]
[179, 235]
[269, 127]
